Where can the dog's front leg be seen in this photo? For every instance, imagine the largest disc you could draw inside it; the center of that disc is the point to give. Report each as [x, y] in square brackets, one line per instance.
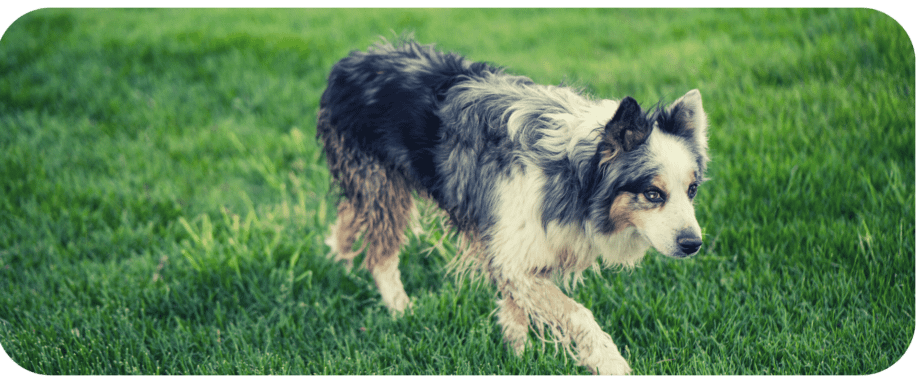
[570, 322]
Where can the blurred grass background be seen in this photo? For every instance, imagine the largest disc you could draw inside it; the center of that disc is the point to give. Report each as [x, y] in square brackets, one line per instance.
[163, 199]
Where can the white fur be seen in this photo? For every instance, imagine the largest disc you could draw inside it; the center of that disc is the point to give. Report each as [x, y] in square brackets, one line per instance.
[520, 245]
[386, 276]
[661, 228]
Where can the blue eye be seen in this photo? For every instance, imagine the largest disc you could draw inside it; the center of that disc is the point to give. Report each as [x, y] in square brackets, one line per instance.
[692, 191]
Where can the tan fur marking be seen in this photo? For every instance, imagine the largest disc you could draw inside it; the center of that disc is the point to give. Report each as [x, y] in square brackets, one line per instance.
[610, 149]
[555, 298]
[388, 213]
[514, 323]
[620, 212]
[567, 259]
[346, 230]
[660, 183]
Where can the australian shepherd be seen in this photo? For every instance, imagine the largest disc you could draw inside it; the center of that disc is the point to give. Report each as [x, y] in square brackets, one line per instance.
[541, 180]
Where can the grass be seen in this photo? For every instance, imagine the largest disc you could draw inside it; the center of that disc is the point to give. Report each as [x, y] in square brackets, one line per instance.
[163, 199]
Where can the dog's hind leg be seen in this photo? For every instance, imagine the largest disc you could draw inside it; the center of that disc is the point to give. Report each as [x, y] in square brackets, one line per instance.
[378, 202]
[387, 209]
[347, 168]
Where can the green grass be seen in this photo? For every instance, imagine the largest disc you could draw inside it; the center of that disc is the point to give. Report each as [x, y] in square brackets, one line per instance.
[163, 199]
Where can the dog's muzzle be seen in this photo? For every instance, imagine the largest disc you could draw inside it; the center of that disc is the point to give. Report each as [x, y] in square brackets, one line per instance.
[689, 243]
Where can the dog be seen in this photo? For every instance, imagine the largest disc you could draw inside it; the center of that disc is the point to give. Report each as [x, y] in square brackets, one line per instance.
[542, 181]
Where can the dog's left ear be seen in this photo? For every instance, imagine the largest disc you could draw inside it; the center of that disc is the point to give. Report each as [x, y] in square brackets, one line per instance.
[685, 118]
[628, 129]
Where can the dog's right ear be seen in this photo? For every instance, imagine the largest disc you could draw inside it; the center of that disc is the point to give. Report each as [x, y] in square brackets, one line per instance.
[628, 129]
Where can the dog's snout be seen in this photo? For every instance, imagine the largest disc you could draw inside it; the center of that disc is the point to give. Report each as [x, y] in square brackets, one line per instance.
[689, 243]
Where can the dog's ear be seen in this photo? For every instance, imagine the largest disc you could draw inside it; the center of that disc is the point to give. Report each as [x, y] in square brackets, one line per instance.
[628, 129]
[685, 118]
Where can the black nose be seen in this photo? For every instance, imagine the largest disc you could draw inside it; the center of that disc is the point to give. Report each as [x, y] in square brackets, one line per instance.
[689, 244]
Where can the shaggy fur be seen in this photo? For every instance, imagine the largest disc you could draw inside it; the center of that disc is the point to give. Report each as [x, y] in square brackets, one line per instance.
[541, 180]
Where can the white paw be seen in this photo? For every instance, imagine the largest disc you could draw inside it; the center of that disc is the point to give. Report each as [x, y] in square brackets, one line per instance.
[398, 303]
[516, 345]
[614, 366]
[330, 241]
[606, 359]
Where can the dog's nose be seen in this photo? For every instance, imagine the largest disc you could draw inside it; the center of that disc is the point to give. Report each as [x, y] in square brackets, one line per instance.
[689, 244]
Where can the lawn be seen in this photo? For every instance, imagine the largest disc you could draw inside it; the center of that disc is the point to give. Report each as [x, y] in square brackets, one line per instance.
[163, 199]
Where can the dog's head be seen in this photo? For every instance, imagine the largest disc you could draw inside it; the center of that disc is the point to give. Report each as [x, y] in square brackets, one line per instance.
[652, 165]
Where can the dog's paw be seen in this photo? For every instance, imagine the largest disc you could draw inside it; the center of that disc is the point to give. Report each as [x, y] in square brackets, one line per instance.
[606, 360]
[516, 346]
[616, 366]
[398, 303]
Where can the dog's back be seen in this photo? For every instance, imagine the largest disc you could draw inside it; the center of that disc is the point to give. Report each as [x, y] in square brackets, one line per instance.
[384, 101]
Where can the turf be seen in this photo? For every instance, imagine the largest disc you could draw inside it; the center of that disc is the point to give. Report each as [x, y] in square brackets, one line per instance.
[163, 199]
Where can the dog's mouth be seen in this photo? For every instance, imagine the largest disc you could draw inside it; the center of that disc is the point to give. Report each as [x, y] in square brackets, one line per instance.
[682, 247]
[682, 255]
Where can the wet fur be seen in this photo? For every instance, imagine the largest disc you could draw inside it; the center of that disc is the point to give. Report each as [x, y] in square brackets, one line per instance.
[540, 180]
